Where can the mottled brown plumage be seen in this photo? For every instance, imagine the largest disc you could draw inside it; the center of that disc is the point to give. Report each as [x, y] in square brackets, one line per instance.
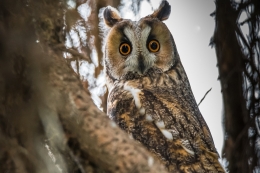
[150, 95]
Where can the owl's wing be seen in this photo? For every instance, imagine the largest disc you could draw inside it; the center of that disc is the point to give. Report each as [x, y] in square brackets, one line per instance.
[163, 116]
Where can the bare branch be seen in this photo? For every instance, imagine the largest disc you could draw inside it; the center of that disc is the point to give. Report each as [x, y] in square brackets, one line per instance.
[204, 96]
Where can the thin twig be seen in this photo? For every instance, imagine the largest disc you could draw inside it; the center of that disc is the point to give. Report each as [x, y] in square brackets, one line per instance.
[72, 52]
[204, 96]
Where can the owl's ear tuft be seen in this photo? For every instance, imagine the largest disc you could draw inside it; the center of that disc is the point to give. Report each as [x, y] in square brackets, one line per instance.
[163, 12]
[111, 16]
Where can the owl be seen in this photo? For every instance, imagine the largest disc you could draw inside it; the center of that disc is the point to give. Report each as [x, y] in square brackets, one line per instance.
[150, 96]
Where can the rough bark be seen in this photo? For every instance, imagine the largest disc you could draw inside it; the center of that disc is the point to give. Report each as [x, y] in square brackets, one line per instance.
[48, 121]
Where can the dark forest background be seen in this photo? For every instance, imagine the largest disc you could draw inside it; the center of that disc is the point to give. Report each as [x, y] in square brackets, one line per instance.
[48, 121]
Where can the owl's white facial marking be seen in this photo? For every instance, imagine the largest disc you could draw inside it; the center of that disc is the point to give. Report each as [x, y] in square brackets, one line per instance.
[140, 59]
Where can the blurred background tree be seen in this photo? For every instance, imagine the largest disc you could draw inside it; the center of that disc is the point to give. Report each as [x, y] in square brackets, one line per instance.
[237, 43]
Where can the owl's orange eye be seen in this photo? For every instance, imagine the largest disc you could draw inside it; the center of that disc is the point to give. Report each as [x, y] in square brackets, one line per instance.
[125, 49]
[153, 46]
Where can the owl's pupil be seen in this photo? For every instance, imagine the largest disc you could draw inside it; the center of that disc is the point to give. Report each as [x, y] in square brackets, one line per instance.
[125, 49]
[154, 46]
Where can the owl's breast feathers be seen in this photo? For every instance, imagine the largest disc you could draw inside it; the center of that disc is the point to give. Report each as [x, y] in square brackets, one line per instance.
[159, 110]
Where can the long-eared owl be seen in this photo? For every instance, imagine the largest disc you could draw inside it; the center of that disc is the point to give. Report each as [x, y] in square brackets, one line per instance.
[150, 96]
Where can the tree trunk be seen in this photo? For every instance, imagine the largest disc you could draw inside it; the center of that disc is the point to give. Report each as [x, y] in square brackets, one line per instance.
[239, 144]
[48, 122]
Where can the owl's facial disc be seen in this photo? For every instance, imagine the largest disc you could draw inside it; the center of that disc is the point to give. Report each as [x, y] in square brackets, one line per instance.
[137, 46]
[144, 49]
[141, 66]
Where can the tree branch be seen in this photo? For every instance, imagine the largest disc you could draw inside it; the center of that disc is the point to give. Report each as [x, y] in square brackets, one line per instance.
[204, 96]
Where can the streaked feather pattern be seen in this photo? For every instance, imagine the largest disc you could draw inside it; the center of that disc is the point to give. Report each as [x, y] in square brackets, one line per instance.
[156, 106]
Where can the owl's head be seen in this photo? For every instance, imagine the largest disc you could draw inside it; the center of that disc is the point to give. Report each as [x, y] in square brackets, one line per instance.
[137, 46]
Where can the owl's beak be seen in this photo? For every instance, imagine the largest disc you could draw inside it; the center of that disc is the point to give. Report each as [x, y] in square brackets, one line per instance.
[141, 65]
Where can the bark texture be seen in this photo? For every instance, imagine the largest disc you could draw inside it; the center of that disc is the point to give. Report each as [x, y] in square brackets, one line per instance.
[48, 122]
